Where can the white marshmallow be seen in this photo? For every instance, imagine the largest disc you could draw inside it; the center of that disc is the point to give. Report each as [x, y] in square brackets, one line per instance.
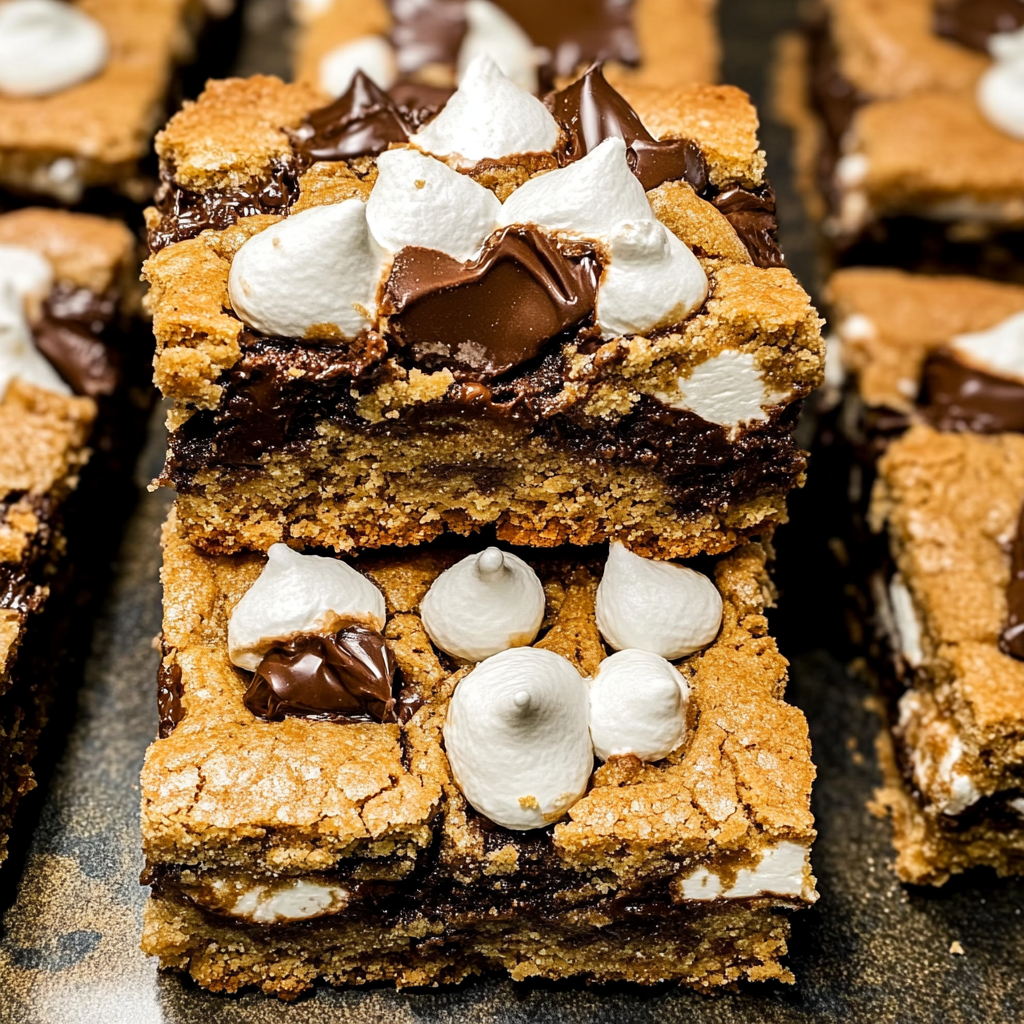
[637, 706]
[908, 629]
[318, 267]
[518, 737]
[295, 899]
[418, 200]
[19, 356]
[491, 33]
[47, 45]
[1001, 88]
[484, 604]
[998, 351]
[659, 607]
[29, 273]
[298, 594]
[652, 281]
[593, 198]
[372, 55]
[781, 871]
[488, 118]
[727, 389]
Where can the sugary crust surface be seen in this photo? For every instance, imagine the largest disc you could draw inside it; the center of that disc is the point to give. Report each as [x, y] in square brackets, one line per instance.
[678, 39]
[85, 251]
[902, 318]
[298, 795]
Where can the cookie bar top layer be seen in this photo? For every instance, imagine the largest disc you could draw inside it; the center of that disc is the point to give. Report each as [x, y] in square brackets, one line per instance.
[889, 322]
[676, 40]
[226, 792]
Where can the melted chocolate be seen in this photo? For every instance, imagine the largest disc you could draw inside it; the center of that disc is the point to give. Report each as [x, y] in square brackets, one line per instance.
[1011, 640]
[972, 22]
[959, 397]
[486, 317]
[346, 677]
[363, 122]
[23, 582]
[426, 32]
[168, 698]
[752, 215]
[184, 213]
[590, 111]
[419, 103]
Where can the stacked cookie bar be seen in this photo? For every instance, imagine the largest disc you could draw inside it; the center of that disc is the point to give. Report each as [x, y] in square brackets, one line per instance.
[909, 121]
[452, 393]
[935, 407]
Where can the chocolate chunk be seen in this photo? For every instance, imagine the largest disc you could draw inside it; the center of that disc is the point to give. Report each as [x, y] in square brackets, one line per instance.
[346, 677]
[752, 215]
[973, 22]
[486, 317]
[426, 32]
[89, 367]
[590, 111]
[1011, 640]
[958, 397]
[362, 122]
[168, 698]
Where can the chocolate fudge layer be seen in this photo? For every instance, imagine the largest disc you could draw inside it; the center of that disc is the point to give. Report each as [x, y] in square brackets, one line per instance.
[283, 846]
[487, 392]
[898, 154]
[651, 42]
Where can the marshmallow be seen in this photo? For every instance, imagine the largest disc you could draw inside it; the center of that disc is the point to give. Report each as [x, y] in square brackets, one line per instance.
[637, 706]
[418, 200]
[491, 33]
[488, 118]
[592, 198]
[372, 55]
[19, 356]
[998, 351]
[48, 45]
[518, 737]
[1001, 88]
[651, 281]
[727, 389]
[484, 604]
[29, 273]
[908, 628]
[783, 870]
[316, 269]
[298, 594]
[659, 607]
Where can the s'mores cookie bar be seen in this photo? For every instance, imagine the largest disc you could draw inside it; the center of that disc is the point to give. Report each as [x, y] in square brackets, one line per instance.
[571, 327]
[419, 765]
[910, 130]
[935, 408]
[83, 86]
[418, 48]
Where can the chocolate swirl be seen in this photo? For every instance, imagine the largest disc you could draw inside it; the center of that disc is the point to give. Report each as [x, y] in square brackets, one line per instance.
[345, 677]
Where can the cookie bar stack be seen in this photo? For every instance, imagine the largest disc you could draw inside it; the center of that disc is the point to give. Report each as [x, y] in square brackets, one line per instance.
[453, 395]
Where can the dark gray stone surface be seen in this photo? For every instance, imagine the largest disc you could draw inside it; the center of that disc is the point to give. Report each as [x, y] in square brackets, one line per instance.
[870, 950]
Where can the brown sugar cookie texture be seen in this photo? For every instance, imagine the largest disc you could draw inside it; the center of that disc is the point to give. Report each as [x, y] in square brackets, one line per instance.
[282, 851]
[578, 433]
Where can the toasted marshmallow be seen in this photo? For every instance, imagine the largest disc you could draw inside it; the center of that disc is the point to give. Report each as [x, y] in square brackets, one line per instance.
[484, 604]
[1001, 88]
[29, 273]
[727, 389]
[418, 200]
[998, 351]
[488, 118]
[314, 274]
[518, 737]
[19, 356]
[659, 607]
[48, 45]
[592, 198]
[491, 33]
[298, 594]
[637, 706]
[651, 281]
[372, 55]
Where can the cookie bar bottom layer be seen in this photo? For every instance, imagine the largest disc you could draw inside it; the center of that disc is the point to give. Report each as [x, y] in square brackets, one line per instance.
[350, 491]
[712, 947]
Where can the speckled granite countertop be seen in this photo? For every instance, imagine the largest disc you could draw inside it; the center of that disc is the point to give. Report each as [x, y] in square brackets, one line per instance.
[870, 950]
